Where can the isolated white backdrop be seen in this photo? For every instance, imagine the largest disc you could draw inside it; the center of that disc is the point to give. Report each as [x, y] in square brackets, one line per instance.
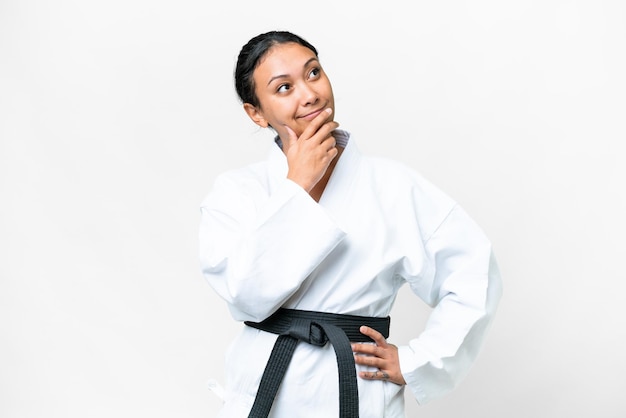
[116, 116]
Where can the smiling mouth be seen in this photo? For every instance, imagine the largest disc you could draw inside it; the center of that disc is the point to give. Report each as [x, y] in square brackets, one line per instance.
[312, 115]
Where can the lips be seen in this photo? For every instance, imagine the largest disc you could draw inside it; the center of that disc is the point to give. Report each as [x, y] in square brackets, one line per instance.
[312, 115]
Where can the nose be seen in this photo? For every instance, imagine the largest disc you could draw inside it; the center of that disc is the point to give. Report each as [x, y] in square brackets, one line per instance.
[308, 95]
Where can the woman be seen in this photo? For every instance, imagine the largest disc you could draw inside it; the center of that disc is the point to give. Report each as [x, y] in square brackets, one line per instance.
[320, 228]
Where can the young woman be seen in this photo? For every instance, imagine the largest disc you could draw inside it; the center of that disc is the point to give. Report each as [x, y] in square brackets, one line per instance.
[311, 246]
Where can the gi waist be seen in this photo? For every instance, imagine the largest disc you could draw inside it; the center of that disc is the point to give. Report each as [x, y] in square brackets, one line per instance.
[315, 328]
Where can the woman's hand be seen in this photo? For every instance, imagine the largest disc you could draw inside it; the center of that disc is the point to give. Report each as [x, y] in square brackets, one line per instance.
[383, 356]
[310, 154]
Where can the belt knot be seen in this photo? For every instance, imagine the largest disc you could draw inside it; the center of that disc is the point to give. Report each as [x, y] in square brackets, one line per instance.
[317, 328]
[307, 331]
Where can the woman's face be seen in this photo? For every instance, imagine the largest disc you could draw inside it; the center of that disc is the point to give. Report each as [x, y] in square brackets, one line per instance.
[292, 89]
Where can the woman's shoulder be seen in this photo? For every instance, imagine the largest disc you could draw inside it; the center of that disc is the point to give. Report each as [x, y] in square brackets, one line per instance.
[399, 182]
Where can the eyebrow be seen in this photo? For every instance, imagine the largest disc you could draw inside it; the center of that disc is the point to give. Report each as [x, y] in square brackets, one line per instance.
[306, 64]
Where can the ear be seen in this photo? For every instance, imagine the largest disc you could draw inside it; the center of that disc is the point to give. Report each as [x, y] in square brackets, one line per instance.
[256, 115]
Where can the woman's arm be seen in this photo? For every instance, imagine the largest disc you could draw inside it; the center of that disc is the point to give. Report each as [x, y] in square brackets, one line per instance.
[257, 249]
[464, 290]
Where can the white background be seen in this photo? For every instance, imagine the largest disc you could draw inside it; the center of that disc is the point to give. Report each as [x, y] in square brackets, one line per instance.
[116, 116]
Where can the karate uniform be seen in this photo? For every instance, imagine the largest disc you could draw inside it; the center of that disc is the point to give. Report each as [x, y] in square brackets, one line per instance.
[265, 243]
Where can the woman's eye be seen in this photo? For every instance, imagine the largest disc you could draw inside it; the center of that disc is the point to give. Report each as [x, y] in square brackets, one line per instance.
[315, 72]
[283, 88]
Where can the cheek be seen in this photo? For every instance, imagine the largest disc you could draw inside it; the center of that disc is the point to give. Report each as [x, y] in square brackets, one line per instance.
[279, 112]
[328, 89]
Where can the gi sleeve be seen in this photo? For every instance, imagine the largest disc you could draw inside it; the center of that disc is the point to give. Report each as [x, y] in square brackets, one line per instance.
[256, 248]
[464, 288]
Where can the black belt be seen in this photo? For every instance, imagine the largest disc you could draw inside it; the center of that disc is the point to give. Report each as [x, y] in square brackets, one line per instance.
[315, 328]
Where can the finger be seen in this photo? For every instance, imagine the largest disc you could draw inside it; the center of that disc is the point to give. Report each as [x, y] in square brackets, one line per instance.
[330, 142]
[317, 123]
[368, 349]
[371, 361]
[322, 118]
[377, 375]
[291, 135]
[378, 338]
[321, 134]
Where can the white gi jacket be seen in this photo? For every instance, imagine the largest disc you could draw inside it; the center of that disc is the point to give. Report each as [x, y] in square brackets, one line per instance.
[265, 243]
